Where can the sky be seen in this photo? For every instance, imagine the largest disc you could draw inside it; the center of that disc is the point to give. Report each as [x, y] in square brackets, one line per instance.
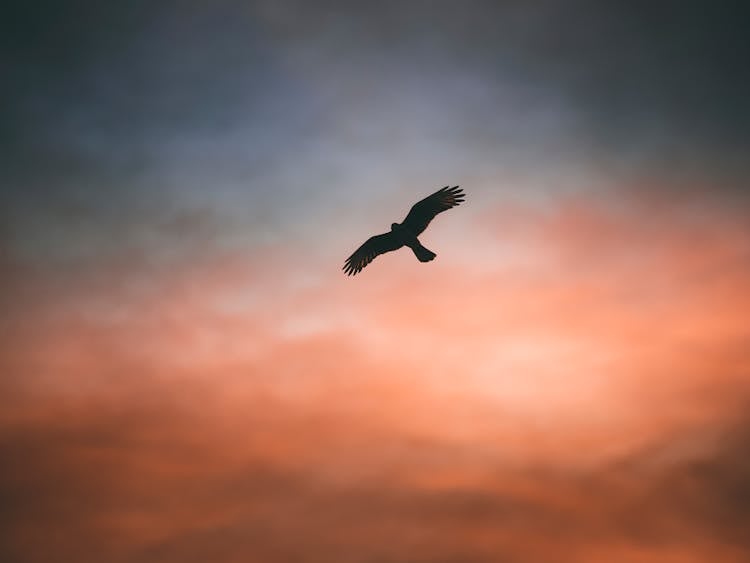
[186, 374]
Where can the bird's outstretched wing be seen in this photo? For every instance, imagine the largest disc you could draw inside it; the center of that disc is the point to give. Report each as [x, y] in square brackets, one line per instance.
[374, 246]
[424, 211]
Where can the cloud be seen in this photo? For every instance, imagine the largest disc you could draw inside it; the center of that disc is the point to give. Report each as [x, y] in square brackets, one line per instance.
[580, 399]
[248, 109]
[185, 375]
[154, 483]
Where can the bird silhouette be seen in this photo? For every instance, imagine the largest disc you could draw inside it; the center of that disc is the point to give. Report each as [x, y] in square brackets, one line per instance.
[405, 233]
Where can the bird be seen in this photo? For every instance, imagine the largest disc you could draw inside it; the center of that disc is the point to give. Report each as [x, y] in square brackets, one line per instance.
[406, 232]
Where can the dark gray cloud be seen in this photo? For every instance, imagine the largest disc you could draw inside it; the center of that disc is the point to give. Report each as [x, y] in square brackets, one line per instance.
[111, 112]
[632, 68]
[118, 119]
[111, 80]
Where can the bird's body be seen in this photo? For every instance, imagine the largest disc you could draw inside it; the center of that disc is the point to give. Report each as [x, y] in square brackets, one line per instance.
[411, 240]
[406, 232]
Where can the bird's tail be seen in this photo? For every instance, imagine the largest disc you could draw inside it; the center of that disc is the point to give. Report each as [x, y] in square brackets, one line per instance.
[422, 253]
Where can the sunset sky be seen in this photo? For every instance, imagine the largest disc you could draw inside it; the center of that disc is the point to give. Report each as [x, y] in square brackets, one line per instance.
[186, 374]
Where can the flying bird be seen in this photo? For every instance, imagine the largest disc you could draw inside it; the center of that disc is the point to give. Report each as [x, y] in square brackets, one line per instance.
[406, 233]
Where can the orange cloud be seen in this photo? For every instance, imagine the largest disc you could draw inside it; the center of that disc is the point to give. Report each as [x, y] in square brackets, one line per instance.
[578, 398]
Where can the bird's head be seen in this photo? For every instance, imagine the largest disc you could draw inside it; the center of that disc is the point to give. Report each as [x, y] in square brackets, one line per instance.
[395, 226]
